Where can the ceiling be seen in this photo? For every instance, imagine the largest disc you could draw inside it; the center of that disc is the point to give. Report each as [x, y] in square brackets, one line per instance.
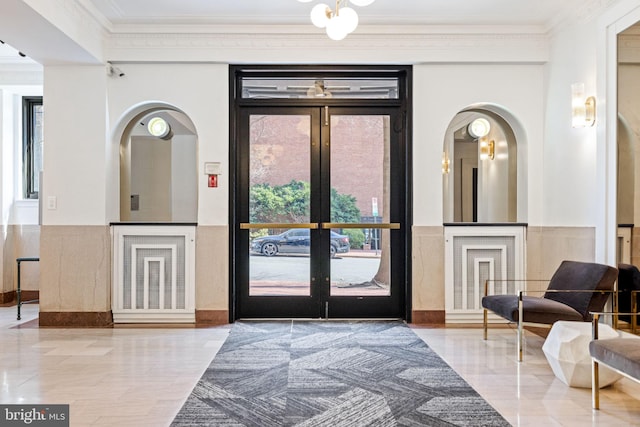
[129, 17]
[9, 55]
[286, 12]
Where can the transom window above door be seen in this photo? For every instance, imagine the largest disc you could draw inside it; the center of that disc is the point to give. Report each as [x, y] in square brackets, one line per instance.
[345, 88]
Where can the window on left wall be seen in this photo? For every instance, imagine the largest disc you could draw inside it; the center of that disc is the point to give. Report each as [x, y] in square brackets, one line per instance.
[33, 135]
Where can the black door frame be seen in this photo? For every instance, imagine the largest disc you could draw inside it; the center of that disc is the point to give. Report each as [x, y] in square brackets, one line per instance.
[402, 126]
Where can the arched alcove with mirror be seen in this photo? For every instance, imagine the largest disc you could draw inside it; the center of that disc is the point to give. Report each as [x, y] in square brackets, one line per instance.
[480, 169]
[158, 168]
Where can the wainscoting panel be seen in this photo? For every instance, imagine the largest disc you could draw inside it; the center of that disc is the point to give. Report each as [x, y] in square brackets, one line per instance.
[475, 254]
[154, 274]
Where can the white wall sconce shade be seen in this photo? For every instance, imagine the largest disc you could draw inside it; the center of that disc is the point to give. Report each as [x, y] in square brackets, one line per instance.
[583, 110]
[479, 128]
[159, 127]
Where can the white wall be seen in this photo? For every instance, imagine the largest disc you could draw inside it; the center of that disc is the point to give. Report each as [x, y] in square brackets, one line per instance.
[570, 167]
[74, 150]
[443, 90]
[201, 91]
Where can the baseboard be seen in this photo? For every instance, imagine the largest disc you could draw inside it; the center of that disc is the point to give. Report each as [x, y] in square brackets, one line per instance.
[76, 318]
[7, 297]
[12, 296]
[28, 295]
[428, 317]
[212, 317]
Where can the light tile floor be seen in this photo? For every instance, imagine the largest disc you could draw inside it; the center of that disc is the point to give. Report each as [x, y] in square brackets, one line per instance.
[528, 393]
[142, 376]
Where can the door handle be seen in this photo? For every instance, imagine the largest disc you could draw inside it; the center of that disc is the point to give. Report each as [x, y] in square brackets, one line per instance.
[382, 226]
[253, 226]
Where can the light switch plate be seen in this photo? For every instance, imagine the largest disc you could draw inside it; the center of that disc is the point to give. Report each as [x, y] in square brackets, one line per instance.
[52, 202]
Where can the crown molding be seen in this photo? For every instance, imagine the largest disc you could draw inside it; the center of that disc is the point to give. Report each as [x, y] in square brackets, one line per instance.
[21, 75]
[365, 46]
[208, 28]
[584, 12]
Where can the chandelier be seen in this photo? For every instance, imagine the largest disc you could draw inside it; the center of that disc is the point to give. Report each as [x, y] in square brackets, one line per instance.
[338, 22]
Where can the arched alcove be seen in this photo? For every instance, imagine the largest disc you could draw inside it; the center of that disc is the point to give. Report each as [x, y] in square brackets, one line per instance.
[157, 173]
[482, 180]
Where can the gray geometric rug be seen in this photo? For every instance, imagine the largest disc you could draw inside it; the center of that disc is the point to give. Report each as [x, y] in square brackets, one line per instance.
[329, 373]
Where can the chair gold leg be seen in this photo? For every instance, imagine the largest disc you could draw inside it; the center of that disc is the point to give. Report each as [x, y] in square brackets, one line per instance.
[520, 340]
[484, 323]
[520, 327]
[595, 385]
[634, 309]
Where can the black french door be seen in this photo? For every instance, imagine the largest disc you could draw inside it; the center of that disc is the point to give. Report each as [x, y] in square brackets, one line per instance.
[320, 210]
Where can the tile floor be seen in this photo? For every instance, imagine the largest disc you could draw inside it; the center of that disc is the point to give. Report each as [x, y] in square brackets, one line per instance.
[142, 376]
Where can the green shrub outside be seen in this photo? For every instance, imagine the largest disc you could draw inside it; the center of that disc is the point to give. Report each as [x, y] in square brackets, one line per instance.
[356, 237]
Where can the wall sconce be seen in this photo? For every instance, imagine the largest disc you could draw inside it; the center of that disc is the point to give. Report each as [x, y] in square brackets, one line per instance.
[583, 110]
[479, 127]
[158, 127]
[445, 163]
[487, 149]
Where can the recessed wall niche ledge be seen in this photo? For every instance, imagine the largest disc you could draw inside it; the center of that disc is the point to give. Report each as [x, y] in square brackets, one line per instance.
[485, 224]
[194, 224]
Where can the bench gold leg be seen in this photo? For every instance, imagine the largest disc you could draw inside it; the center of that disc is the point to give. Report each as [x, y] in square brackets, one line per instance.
[595, 385]
[520, 326]
[484, 323]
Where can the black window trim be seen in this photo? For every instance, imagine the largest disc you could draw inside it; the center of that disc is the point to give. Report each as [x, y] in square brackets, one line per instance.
[28, 178]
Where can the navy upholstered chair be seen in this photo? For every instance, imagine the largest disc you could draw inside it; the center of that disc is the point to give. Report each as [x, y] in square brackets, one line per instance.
[575, 290]
[628, 292]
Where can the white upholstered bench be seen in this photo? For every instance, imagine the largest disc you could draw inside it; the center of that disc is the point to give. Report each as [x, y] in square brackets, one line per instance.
[620, 354]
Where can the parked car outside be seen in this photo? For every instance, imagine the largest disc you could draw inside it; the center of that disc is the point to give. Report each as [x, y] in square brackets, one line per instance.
[296, 241]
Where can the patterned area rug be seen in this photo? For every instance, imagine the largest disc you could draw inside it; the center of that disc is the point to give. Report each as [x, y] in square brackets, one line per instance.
[316, 373]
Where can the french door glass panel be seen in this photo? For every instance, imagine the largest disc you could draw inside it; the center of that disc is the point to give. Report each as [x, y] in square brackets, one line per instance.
[360, 152]
[279, 205]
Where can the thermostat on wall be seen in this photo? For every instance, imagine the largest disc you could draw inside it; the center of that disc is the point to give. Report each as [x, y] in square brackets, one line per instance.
[212, 168]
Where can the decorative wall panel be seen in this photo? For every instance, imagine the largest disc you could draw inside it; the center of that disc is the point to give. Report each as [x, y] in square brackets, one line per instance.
[475, 255]
[154, 271]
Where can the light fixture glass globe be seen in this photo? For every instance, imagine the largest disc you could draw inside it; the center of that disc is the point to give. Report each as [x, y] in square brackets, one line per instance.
[349, 19]
[479, 127]
[157, 126]
[319, 15]
[336, 29]
[362, 2]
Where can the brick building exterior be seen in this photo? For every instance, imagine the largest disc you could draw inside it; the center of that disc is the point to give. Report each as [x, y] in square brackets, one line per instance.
[281, 152]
